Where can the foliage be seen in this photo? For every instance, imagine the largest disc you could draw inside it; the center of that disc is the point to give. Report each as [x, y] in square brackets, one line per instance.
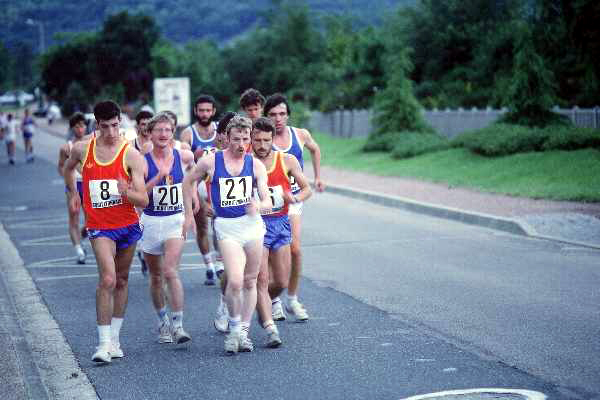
[410, 144]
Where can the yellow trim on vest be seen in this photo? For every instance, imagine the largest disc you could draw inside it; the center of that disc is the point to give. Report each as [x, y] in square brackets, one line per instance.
[104, 164]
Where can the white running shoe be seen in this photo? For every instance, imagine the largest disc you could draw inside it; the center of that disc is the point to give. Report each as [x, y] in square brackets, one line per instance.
[81, 257]
[180, 335]
[221, 321]
[232, 343]
[273, 339]
[297, 309]
[102, 354]
[246, 344]
[277, 311]
[115, 350]
[164, 333]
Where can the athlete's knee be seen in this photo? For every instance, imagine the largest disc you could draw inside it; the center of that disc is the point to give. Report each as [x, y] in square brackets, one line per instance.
[295, 248]
[171, 273]
[107, 282]
[262, 282]
[280, 282]
[122, 281]
[156, 280]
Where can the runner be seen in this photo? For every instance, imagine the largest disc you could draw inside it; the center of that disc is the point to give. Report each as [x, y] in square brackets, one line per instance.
[28, 129]
[252, 102]
[233, 175]
[177, 144]
[292, 140]
[280, 166]
[78, 127]
[113, 185]
[201, 137]
[10, 137]
[162, 222]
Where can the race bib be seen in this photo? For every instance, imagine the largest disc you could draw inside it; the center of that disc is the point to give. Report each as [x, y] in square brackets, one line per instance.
[276, 194]
[235, 191]
[104, 193]
[294, 184]
[168, 197]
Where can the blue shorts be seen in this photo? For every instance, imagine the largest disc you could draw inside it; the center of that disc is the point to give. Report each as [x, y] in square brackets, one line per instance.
[27, 135]
[278, 233]
[79, 190]
[123, 237]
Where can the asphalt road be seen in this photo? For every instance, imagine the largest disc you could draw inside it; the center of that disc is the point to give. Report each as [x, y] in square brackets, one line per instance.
[401, 304]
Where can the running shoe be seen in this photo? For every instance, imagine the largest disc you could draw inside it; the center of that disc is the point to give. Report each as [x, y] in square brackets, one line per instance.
[246, 344]
[102, 354]
[221, 321]
[278, 314]
[143, 263]
[115, 350]
[210, 278]
[297, 309]
[81, 258]
[232, 343]
[180, 336]
[273, 339]
[164, 333]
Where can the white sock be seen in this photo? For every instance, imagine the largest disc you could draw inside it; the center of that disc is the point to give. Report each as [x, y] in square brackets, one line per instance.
[115, 329]
[177, 317]
[103, 334]
[162, 316]
[208, 261]
[235, 324]
[79, 250]
[292, 298]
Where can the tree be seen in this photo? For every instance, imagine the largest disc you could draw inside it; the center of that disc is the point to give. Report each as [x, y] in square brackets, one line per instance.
[5, 67]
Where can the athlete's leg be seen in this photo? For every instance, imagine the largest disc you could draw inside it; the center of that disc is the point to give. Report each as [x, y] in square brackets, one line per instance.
[156, 280]
[263, 303]
[279, 261]
[123, 260]
[203, 243]
[296, 253]
[234, 259]
[75, 234]
[172, 255]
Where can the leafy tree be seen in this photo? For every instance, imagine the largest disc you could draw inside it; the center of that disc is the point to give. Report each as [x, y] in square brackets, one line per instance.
[5, 67]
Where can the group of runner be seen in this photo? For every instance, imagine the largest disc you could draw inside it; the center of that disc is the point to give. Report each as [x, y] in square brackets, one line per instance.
[242, 179]
[10, 125]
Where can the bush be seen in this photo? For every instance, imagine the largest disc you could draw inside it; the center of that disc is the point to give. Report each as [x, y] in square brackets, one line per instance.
[410, 144]
[381, 142]
[570, 138]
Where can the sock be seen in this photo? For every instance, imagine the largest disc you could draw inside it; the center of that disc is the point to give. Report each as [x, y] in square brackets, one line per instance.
[162, 316]
[79, 250]
[177, 317]
[208, 261]
[291, 298]
[104, 334]
[235, 324]
[115, 329]
[269, 326]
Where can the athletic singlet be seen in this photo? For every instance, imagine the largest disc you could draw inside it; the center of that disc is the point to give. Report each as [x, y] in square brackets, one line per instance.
[278, 183]
[28, 125]
[166, 197]
[103, 205]
[295, 149]
[230, 194]
[206, 144]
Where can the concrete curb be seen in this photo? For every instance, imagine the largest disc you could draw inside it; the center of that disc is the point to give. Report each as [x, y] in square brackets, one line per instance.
[509, 225]
[56, 366]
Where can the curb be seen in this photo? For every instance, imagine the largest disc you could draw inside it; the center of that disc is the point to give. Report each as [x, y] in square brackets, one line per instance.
[509, 225]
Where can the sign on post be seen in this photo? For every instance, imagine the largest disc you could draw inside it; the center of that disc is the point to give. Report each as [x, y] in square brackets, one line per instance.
[173, 94]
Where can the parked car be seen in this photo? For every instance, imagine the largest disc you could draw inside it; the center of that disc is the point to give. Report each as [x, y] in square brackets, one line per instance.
[17, 97]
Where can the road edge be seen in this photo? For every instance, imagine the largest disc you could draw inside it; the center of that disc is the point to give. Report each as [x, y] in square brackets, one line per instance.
[56, 365]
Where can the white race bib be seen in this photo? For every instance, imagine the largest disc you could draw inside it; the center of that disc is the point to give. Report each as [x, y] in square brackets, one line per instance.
[294, 184]
[235, 191]
[104, 193]
[168, 197]
[276, 194]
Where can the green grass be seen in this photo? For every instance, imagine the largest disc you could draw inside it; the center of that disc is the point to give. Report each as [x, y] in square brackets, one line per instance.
[557, 175]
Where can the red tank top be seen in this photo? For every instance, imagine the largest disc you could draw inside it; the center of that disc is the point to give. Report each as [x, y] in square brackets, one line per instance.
[103, 205]
[278, 183]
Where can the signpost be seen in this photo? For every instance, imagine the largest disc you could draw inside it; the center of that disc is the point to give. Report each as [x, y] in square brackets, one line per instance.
[173, 94]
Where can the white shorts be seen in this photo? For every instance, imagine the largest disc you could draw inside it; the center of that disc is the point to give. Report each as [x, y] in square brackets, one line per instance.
[157, 230]
[202, 192]
[10, 137]
[295, 208]
[242, 229]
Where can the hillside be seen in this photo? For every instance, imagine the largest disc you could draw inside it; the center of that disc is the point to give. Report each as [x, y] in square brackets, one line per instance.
[180, 20]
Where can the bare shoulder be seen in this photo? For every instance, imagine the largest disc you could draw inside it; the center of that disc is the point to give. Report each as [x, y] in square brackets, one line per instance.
[290, 160]
[187, 156]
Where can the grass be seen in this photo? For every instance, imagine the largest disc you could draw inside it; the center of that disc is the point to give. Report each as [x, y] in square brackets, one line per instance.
[555, 175]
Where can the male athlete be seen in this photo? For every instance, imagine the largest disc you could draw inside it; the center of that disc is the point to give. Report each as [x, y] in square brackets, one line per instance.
[113, 185]
[293, 140]
[252, 102]
[280, 167]
[234, 175]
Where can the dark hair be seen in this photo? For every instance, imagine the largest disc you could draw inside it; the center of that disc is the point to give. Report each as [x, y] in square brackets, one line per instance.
[222, 125]
[263, 124]
[205, 98]
[76, 118]
[274, 100]
[251, 97]
[143, 115]
[106, 110]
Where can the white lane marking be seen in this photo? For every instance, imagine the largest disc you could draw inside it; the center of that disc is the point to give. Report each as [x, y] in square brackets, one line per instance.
[40, 223]
[79, 276]
[13, 208]
[365, 337]
[48, 241]
[449, 370]
[425, 360]
[528, 394]
[386, 344]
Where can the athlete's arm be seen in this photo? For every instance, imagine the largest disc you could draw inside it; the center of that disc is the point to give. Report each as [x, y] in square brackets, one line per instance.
[202, 168]
[136, 190]
[315, 155]
[186, 136]
[187, 158]
[68, 174]
[260, 174]
[62, 157]
[293, 167]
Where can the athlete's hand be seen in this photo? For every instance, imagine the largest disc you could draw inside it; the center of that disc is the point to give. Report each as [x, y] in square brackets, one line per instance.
[196, 203]
[288, 197]
[74, 203]
[123, 187]
[164, 170]
[188, 225]
[319, 185]
[252, 208]
[210, 212]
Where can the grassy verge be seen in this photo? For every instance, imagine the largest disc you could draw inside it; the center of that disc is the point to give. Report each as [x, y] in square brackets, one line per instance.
[556, 175]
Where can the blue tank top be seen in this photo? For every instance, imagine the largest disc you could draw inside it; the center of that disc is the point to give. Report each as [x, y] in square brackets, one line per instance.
[166, 197]
[230, 194]
[198, 142]
[28, 125]
[296, 150]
